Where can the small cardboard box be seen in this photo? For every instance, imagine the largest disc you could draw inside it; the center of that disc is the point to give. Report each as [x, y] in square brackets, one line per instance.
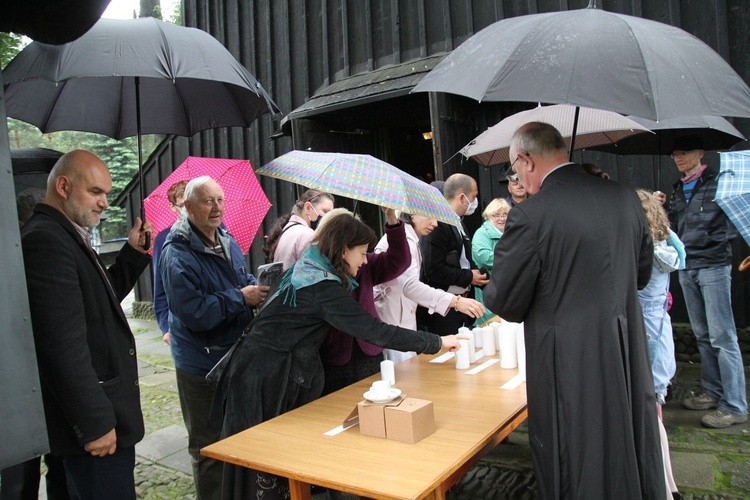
[372, 417]
[410, 421]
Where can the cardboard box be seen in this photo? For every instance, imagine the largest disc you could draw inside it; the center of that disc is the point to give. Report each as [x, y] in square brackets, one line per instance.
[372, 417]
[410, 421]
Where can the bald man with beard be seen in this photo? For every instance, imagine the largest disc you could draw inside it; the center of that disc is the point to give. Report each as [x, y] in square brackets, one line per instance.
[85, 349]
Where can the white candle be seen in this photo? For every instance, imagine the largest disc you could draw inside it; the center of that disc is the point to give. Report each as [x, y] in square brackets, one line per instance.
[488, 341]
[472, 349]
[508, 354]
[462, 355]
[387, 371]
[521, 351]
[477, 332]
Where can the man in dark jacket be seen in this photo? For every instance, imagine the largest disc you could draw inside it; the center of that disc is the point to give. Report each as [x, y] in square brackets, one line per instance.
[706, 284]
[569, 265]
[446, 257]
[210, 297]
[84, 346]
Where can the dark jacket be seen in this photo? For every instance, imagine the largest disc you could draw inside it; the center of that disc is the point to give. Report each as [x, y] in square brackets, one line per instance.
[569, 266]
[207, 311]
[161, 308]
[441, 251]
[380, 268]
[701, 224]
[85, 349]
[277, 367]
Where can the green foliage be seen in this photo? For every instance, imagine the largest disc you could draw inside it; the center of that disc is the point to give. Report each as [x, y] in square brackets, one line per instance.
[10, 45]
[120, 156]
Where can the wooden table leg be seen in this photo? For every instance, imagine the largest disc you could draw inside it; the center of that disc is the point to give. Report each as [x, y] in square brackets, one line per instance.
[299, 490]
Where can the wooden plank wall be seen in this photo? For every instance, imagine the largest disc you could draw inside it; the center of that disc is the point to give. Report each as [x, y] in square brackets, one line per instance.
[295, 47]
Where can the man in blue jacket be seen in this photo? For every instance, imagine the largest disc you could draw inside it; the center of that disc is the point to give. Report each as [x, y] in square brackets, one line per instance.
[210, 297]
[706, 283]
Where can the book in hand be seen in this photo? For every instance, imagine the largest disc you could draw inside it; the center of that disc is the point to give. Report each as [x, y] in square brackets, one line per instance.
[268, 274]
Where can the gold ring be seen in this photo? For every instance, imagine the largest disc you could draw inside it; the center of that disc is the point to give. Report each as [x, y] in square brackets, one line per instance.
[94, 452]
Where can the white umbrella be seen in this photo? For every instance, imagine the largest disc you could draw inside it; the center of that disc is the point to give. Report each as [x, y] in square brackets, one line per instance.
[595, 128]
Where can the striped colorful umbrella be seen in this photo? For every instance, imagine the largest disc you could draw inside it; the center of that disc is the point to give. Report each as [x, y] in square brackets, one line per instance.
[245, 202]
[733, 192]
[364, 178]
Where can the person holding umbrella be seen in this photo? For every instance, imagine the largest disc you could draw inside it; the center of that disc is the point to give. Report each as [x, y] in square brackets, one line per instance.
[569, 265]
[706, 284]
[84, 346]
[210, 297]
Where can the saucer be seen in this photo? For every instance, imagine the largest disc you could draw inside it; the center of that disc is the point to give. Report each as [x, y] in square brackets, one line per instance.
[393, 394]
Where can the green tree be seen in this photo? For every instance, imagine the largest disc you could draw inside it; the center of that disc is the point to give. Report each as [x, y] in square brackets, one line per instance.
[10, 45]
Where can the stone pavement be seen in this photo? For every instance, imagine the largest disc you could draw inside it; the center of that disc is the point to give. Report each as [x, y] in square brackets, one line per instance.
[707, 463]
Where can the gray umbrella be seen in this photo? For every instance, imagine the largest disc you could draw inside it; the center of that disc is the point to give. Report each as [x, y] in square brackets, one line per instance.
[589, 57]
[132, 77]
[715, 132]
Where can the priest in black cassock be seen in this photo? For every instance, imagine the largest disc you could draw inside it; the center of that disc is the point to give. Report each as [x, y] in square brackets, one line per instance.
[569, 266]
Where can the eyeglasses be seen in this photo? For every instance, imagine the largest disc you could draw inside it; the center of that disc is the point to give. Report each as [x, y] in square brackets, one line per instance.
[499, 216]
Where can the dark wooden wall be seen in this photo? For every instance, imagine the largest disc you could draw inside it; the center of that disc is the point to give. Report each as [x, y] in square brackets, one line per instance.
[297, 47]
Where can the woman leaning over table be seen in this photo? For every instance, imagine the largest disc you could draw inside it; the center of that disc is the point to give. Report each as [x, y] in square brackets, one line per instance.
[276, 367]
[397, 300]
[484, 241]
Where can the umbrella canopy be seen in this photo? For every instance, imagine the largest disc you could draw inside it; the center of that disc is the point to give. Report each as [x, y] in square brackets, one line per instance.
[245, 202]
[364, 178]
[733, 191]
[188, 82]
[595, 127]
[132, 77]
[589, 57]
[715, 132]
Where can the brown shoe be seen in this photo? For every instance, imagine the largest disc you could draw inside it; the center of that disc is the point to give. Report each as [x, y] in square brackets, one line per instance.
[700, 401]
[719, 419]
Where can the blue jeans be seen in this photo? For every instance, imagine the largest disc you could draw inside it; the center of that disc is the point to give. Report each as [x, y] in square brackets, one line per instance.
[709, 303]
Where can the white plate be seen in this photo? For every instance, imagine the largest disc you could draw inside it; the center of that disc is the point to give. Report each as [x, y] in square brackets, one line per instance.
[370, 396]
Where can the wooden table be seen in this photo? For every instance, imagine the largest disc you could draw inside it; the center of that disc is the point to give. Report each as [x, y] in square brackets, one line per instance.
[472, 416]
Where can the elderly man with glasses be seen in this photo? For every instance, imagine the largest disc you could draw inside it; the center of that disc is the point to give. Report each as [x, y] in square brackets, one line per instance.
[517, 192]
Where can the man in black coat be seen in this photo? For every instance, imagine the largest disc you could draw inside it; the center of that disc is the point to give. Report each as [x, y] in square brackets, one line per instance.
[446, 259]
[84, 346]
[569, 266]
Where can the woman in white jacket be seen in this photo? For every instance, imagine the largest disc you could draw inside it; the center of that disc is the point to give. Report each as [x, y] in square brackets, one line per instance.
[397, 300]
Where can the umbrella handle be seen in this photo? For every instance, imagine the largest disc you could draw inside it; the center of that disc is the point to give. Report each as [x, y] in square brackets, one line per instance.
[745, 264]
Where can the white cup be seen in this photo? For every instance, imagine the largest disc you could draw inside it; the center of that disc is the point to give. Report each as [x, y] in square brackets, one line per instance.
[381, 388]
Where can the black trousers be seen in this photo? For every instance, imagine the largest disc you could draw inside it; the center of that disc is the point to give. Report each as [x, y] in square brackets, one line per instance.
[101, 478]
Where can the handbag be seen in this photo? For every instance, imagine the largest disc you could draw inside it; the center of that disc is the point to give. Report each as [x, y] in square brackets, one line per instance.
[666, 257]
[213, 377]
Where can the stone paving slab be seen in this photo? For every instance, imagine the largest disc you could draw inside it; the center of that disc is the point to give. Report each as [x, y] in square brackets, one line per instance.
[693, 470]
[163, 443]
[180, 461]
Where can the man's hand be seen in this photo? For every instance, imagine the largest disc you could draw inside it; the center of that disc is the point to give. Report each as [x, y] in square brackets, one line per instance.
[105, 445]
[255, 294]
[166, 338]
[479, 278]
[137, 236]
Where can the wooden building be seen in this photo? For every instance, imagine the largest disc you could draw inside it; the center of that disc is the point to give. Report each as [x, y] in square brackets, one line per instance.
[342, 70]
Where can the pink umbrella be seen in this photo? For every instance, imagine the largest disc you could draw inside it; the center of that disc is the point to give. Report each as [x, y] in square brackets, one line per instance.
[245, 203]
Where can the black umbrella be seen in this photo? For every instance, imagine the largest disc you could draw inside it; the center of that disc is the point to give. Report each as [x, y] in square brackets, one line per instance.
[132, 77]
[589, 57]
[715, 131]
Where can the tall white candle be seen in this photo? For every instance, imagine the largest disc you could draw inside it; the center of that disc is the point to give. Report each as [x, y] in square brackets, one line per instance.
[488, 341]
[508, 354]
[462, 355]
[477, 332]
[521, 351]
[387, 371]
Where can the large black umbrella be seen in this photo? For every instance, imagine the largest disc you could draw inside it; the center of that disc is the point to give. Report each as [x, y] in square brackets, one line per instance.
[716, 133]
[589, 57]
[132, 77]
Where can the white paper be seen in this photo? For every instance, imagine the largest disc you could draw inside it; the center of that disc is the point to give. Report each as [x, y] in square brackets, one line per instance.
[513, 383]
[481, 367]
[443, 357]
[339, 429]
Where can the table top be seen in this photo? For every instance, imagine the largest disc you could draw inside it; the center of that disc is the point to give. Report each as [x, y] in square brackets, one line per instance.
[471, 413]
